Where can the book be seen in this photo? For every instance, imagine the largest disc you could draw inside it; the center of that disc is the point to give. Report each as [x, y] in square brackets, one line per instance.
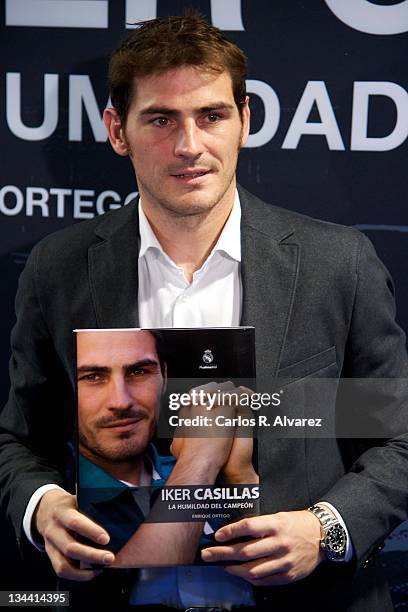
[166, 438]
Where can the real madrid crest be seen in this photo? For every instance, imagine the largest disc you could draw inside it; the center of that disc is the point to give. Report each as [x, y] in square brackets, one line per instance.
[208, 359]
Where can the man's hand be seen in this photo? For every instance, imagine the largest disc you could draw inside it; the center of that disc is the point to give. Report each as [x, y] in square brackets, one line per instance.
[239, 468]
[57, 520]
[283, 548]
[207, 444]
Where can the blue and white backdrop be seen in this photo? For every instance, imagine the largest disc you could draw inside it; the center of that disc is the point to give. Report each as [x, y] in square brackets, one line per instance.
[328, 86]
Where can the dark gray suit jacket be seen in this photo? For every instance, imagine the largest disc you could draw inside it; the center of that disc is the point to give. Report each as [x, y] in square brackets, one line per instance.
[322, 305]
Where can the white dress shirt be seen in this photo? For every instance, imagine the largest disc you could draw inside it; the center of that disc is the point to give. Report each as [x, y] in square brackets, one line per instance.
[213, 299]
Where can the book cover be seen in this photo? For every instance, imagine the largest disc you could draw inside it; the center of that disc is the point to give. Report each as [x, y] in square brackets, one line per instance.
[166, 438]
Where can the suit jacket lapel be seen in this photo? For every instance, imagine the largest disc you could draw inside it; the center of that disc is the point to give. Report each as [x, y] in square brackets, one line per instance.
[270, 263]
[113, 270]
[269, 269]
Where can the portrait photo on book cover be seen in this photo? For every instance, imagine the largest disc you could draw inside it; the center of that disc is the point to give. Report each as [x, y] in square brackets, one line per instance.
[166, 438]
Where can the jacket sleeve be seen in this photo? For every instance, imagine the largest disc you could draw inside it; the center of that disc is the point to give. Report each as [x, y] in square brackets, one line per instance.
[34, 424]
[372, 496]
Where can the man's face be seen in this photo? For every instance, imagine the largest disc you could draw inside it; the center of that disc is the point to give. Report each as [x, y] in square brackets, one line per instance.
[183, 134]
[120, 384]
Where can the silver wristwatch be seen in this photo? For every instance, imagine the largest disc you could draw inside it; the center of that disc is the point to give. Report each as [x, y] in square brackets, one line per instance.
[334, 537]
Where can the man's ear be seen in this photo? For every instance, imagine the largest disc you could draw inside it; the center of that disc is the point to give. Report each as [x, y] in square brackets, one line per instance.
[115, 131]
[246, 114]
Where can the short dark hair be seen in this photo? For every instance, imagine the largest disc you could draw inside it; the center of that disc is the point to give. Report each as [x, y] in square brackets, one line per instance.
[158, 45]
[160, 348]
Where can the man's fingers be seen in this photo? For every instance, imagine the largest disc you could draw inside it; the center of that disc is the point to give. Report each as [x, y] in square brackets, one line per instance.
[71, 521]
[245, 391]
[245, 551]
[67, 568]
[277, 571]
[254, 527]
[78, 523]
[59, 508]
[62, 541]
[58, 521]
[292, 548]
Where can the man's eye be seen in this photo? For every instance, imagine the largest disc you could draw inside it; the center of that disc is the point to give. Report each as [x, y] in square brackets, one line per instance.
[136, 372]
[213, 117]
[161, 121]
[93, 377]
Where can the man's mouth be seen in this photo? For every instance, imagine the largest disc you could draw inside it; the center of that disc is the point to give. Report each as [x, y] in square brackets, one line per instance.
[191, 175]
[124, 423]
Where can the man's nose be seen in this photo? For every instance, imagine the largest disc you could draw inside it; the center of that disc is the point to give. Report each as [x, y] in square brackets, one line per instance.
[119, 394]
[188, 141]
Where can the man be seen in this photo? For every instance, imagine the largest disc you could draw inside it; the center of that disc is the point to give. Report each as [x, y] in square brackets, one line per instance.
[209, 255]
[120, 382]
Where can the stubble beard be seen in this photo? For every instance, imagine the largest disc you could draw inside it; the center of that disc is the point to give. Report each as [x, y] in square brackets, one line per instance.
[189, 210]
[126, 447]
[185, 207]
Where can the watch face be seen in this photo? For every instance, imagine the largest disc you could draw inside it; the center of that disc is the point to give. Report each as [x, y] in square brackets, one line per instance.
[335, 540]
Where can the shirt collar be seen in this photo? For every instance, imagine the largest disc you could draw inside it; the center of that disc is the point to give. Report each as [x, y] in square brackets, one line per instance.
[229, 241]
[148, 239]
[102, 486]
